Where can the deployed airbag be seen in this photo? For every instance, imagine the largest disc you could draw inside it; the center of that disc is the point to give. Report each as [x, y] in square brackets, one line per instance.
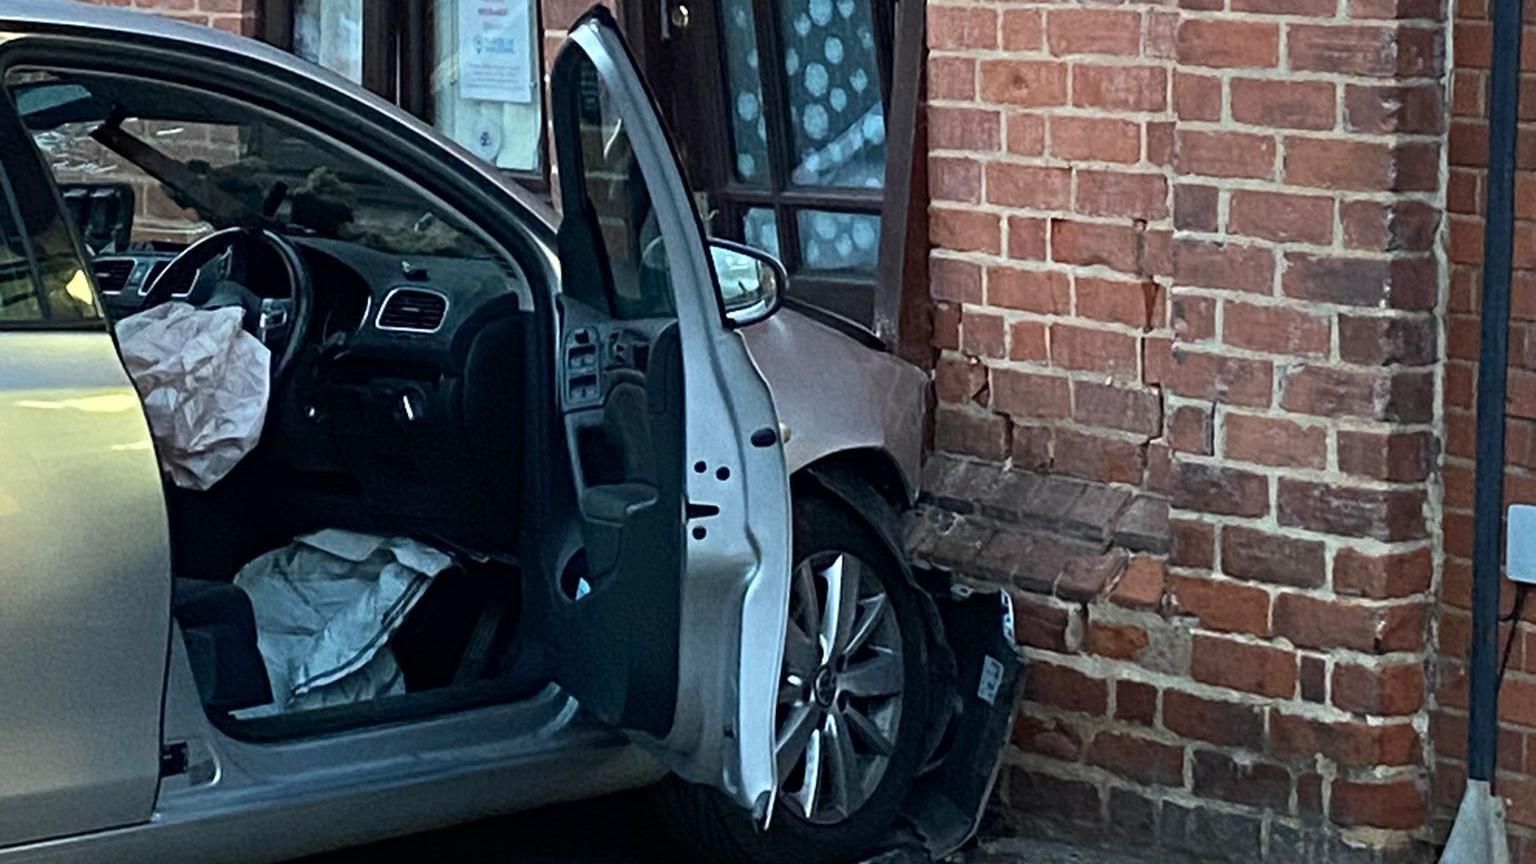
[326, 606]
[205, 385]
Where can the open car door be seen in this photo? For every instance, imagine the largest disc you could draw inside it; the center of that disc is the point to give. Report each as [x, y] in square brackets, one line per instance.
[674, 628]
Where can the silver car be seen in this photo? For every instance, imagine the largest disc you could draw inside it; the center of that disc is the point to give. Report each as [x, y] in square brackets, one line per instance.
[668, 502]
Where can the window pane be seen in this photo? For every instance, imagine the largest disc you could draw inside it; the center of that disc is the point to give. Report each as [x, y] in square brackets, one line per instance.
[760, 228]
[18, 300]
[485, 79]
[832, 74]
[330, 33]
[749, 132]
[839, 241]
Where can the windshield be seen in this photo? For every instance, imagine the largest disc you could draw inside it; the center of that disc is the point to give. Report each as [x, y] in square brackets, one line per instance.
[198, 162]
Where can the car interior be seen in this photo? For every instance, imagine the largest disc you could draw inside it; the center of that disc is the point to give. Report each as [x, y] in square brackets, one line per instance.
[402, 353]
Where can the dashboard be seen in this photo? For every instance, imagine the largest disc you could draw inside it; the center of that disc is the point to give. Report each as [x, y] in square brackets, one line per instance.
[403, 411]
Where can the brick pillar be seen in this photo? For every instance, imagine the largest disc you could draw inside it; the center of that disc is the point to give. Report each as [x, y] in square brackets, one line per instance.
[1187, 259]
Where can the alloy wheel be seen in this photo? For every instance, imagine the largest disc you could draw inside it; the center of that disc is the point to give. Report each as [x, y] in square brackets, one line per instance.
[840, 693]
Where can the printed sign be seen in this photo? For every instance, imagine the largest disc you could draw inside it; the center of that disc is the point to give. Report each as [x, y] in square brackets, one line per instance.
[495, 60]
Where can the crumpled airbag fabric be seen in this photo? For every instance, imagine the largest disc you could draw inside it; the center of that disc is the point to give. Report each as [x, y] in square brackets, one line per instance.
[204, 382]
[326, 606]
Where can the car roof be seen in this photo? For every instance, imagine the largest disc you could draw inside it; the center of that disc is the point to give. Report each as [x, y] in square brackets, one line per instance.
[77, 17]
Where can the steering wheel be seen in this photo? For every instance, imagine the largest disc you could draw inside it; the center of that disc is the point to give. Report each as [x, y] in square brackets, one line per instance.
[282, 324]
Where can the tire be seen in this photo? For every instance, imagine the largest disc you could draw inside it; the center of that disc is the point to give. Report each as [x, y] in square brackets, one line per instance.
[712, 828]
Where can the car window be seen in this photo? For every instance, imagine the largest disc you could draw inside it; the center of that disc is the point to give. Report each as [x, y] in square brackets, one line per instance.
[199, 161]
[58, 290]
[616, 191]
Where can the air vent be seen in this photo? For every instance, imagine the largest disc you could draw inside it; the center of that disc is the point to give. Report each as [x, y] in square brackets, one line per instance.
[413, 310]
[112, 273]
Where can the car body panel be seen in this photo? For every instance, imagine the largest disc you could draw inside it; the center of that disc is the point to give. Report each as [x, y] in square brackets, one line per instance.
[736, 554]
[85, 589]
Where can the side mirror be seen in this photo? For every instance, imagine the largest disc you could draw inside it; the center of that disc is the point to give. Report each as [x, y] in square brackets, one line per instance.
[749, 282]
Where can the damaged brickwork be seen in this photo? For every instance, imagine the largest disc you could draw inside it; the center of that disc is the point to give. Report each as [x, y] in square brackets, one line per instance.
[1185, 281]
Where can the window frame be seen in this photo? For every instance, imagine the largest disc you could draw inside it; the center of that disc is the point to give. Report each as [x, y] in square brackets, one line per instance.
[397, 63]
[873, 299]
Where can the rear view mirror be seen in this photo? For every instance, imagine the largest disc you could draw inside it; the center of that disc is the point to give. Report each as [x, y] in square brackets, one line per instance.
[750, 282]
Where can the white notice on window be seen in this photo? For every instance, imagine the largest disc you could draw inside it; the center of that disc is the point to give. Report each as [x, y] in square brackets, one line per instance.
[495, 63]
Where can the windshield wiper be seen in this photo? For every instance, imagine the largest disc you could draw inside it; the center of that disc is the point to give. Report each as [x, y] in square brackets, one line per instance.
[220, 208]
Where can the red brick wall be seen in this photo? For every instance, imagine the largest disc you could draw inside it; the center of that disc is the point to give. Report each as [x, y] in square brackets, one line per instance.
[1465, 200]
[1190, 251]
[239, 16]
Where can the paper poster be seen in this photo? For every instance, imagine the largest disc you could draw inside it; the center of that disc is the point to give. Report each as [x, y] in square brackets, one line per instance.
[495, 60]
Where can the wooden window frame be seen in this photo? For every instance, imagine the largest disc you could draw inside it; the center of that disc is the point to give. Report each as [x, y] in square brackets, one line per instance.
[397, 62]
[710, 153]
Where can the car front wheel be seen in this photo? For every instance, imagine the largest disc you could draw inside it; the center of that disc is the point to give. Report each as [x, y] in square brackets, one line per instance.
[852, 706]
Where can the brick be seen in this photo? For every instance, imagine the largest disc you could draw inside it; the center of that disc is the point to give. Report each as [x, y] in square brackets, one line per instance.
[1396, 514]
[1218, 378]
[1350, 743]
[1047, 736]
[1338, 164]
[1205, 264]
[1310, 622]
[1216, 489]
[1258, 556]
[1281, 217]
[1375, 340]
[1026, 134]
[1099, 139]
[1047, 292]
[1223, 43]
[983, 335]
[1225, 723]
[1039, 624]
[1393, 804]
[1023, 29]
[959, 27]
[1387, 576]
[1363, 50]
[1069, 800]
[1093, 31]
[1196, 208]
[965, 230]
[1085, 578]
[1092, 349]
[1402, 226]
[1403, 457]
[1193, 544]
[952, 279]
[954, 179]
[1066, 688]
[1395, 690]
[1327, 392]
[1026, 238]
[1275, 329]
[1026, 341]
[1222, 604]
[1349, 281]
[976, 129]
[1123, 408]
[1024, 394]
[1144, 581]
[1028, 83]
[1226, 154]
[1115, 300]
[1117, 641]
[1386, 110]
[1143, 760]
[1236, 665]
[1196, 97]
[1309, 8]
[1027, 186]
[980, 434]
[1120, 88]
[1189, 430]
[960, 381]
[1090, 243]
[1094, 457]
[1251, 781]
[1201, 830]
[1284, 104]
[1313, 680]
[1116, 193]
[1272, 441]
[952, 78]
